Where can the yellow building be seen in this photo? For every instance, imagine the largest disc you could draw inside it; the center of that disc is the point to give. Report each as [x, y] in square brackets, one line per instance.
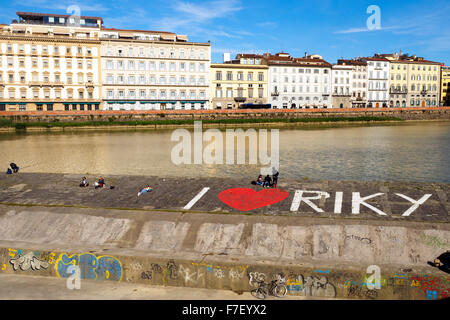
[240, 81]
[50, 62]
[445, 86]
[414, 81]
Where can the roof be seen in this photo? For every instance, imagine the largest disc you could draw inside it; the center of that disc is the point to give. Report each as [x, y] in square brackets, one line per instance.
[352, 62]
[298, 62]
[35, 14]
[375, 59]
[415, 61]
[130, 30]
[248, 55]
[238, 65]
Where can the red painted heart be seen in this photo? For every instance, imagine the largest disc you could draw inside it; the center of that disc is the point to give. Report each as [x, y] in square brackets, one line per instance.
[249, 199]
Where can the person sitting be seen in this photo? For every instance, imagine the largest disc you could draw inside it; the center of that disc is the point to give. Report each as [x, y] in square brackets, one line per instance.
[145, 190]
[275, 180]
[9, 171]
[100, 183]
[14, 167]
[260, 181]
[84, 183]
[442, 262]
[267, 182]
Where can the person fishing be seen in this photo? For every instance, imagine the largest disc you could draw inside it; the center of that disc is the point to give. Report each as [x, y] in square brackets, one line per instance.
[14, 167]
[275, 179]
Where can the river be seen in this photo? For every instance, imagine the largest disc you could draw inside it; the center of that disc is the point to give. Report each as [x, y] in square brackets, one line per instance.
[416, 151]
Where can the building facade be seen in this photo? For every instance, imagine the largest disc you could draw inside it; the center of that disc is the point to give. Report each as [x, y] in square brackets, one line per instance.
[50, 62]
[243, 81]
[414, 81]
[299, 82]
[341, 86]
[150, 70]
[445, 86]
[359, 82]
[378, 69]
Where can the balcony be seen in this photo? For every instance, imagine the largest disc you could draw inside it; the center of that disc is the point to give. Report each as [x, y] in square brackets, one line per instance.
[275, 94]
[424, 92]
[398, 91]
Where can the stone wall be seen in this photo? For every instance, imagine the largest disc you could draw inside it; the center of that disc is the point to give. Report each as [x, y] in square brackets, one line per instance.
[442, 113]
[333, 282]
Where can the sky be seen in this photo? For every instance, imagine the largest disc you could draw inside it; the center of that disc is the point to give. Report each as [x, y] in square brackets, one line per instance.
[333, 29]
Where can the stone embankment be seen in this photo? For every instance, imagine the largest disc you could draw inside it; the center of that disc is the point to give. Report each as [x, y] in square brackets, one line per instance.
[320, 237]
[113, 117]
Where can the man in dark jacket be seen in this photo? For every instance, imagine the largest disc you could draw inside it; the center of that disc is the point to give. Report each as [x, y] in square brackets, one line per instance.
[443, 262]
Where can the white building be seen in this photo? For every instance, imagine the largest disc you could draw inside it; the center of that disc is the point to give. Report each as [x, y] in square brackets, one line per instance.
[342, 86]
[378, 90]
[298, 82]
[50, 62]
[149, 70]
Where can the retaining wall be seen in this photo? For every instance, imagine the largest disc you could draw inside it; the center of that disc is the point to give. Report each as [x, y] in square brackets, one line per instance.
[441, 113]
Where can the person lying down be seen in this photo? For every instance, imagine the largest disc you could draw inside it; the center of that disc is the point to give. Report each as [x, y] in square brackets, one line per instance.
[145, 190]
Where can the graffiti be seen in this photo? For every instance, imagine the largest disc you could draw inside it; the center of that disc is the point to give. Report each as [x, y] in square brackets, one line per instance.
[13, 252]
[322, 271]
[431, 284]
[92, 267]
[235, 274]
[172, 268]
[256, 277]
[157, 268]
[190, 277]
[318, 287]
[357, 291]
[294, 285]
[431, 295]
[4, 267]
[48, 256]
[219, 273]
[27, 261]
[146, 275]
[357, 238]
[435, 242]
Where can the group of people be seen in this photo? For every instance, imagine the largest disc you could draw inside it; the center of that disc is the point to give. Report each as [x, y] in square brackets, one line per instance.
[267, 182]
[98, 184]
[13, 168]
[101, 184]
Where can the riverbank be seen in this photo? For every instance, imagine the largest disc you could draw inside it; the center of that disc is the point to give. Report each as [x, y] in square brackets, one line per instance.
[161, 124]
[174, 237]
[181, 118]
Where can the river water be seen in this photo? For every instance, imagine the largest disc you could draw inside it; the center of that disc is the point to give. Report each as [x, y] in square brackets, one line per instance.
[418, 151]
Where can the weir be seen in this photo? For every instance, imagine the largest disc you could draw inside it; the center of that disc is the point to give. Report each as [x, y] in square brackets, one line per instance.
[48, 223]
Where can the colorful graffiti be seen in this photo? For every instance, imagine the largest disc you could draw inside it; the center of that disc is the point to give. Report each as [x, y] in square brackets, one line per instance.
[28, 261]
[92, 267]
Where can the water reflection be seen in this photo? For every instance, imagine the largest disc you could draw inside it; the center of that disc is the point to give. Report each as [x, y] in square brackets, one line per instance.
[406, 152]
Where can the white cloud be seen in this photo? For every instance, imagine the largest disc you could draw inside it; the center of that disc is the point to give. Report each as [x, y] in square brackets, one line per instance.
[357, 30]
[85, 6]
[188, 17]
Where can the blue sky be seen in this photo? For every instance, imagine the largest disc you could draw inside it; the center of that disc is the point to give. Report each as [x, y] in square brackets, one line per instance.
[331, 28]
